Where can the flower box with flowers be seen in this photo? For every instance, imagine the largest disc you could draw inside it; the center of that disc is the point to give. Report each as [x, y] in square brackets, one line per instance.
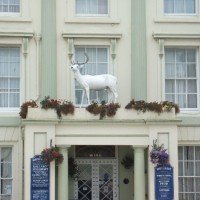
[52, 109]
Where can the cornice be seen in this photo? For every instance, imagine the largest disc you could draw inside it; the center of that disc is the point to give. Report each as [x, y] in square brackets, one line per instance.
[92, 35]
[16, 34]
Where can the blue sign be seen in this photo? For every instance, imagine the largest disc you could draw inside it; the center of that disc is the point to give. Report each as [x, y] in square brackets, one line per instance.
[39, 179]
[164, 182]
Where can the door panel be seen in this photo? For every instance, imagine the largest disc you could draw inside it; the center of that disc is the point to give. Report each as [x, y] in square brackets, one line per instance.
[98, 179]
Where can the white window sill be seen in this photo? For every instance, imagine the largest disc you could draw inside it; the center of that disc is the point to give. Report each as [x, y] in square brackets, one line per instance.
[188, 113]
[12, 18]
[175, 19]
[9, 112]
[93, 20]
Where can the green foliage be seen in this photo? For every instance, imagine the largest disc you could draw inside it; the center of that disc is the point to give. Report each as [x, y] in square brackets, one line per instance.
[103, 109]
[143, 106]
[24, 108]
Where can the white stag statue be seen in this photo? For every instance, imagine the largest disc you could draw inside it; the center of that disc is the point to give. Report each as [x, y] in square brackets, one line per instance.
[95, 82]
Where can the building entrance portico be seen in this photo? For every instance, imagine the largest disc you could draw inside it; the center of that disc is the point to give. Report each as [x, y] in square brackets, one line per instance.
[102, 177]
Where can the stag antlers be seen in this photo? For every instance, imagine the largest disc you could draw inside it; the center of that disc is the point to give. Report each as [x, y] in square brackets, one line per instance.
[87, 59]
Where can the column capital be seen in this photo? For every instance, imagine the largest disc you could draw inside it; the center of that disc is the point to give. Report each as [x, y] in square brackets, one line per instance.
[63, 146]
[138, 147]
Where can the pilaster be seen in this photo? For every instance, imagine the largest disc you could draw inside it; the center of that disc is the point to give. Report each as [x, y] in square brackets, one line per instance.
[48, 78]
[138, 50]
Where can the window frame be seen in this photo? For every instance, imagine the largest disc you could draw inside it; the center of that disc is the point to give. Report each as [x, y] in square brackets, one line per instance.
[108, 65]
[197, 76]
[15, 109]
[12, 13]
[162, 17]
[11, 178]
[180, 14]
[92, 15]
[183, 161]
[110, 18]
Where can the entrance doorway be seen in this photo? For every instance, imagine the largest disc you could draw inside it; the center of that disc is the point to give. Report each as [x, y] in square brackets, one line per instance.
[98, 179]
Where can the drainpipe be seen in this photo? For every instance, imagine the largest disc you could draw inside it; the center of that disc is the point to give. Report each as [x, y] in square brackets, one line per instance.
[22, 150]
[37, 41]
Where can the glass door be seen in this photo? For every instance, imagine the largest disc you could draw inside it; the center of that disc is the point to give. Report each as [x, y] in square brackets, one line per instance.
[98, 179]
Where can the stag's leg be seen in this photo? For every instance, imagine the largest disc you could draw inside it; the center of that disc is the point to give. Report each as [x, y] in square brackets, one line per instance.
[110, 96]
[114, 92]
[82, 98]
[87, 90]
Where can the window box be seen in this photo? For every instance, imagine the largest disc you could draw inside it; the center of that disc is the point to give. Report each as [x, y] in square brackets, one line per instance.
[83, 115]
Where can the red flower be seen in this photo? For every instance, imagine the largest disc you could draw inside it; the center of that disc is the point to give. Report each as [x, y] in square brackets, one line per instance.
[55, 153]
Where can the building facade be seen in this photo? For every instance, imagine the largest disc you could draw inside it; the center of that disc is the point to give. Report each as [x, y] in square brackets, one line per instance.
[152, 47]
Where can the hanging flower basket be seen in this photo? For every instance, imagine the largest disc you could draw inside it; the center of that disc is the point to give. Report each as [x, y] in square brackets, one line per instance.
[73, 169]
[158, 154]
[127, 162]
[51, 154]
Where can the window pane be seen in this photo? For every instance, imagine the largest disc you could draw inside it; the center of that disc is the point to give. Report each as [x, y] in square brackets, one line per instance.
[102, 55]
[191, 70]
[14, 100]
[170, 86]
[190, 6]
[170, 97]
[197, 153]
[7, 187]
[189, 184]
[180, 55]
[170, 70]
[181, 86]
[189, 168]
[192, 101]
[188, 153]
[191, 86]
[180, 153]
[191, 55]
[169, 55]
[180, 183]
[102, 68]
[179, 6]
[169, 6]
[180, 70]
[181, 99]
[197, 169]
[6, 154]
[103, 6]
[180, 168]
